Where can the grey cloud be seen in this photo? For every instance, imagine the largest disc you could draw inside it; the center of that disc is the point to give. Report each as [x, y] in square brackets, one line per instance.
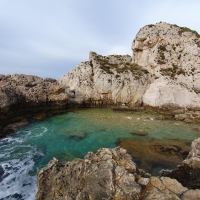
[48, 37]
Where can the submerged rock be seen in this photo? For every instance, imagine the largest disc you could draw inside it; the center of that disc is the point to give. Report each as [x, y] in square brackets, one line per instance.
[155, 153]
[160, 117]
[108, 174]
[77, 137]
[73, 133]
[140, 133]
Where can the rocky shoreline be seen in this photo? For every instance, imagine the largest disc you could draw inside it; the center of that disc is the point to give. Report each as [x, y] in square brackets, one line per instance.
[112, 174]
[162, 75]
[25, 96]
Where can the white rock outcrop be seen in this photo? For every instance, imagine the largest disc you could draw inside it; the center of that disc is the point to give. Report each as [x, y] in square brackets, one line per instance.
[107, 80]
[164, 91]
[163, 71]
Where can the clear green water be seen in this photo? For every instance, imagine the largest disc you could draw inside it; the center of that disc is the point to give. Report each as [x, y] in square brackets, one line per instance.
[72, 135]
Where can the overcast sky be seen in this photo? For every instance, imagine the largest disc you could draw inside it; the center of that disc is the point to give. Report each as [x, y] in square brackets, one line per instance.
[47, 38]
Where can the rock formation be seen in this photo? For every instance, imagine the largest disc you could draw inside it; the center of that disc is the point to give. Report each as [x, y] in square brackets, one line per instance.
[22, 95]
[188, 172]
[107, 80]
[164, 72]
[108, 174]
[172, 54]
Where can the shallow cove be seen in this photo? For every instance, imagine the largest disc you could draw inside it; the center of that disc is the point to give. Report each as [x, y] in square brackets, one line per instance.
[73, 134]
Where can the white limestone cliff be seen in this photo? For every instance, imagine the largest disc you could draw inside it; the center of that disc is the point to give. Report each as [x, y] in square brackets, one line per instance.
[164, 70]
[107, 80]
[172, 53]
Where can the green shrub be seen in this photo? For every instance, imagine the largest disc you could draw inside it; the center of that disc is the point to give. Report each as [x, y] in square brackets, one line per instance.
[172, 71]
[117, 76]
[162, 56]
[193, 69]
[166, 71]
[161, 62]
[128, 67]
[185, 29]
[180, 71]
[162, 48]
[150, 25]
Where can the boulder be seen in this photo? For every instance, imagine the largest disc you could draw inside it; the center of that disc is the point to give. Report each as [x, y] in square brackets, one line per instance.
[191, 195]
[140, 133]
[107, 174]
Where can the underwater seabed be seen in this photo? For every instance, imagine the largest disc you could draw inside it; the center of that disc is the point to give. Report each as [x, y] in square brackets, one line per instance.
[154, 144]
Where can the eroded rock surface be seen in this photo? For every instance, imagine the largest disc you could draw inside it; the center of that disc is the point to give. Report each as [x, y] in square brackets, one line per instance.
[164, 72]
[172, 54]
[22, 95]
[107, 80]
[188, 172]
[108, 174]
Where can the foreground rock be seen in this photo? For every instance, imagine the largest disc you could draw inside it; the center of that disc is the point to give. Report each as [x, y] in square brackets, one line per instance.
[188, 173]
[108, 174]
[22, 95]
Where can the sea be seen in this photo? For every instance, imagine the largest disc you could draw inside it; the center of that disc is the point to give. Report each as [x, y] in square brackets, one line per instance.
[71, 135]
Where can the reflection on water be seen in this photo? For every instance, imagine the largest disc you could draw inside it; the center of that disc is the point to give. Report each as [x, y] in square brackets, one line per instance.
[72, 135]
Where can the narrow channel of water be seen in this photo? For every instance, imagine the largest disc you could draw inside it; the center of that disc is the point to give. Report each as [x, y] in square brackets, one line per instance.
[72, 135]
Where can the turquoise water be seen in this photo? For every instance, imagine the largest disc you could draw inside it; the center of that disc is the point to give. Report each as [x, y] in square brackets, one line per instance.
[71, 135]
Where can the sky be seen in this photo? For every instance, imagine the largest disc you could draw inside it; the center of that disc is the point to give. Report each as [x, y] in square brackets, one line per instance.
[47, 38]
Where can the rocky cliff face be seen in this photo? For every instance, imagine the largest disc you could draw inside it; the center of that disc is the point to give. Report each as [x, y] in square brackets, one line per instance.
[171, 53]
[164, 71]
[108, 174]
[22, 95]
[107, 80]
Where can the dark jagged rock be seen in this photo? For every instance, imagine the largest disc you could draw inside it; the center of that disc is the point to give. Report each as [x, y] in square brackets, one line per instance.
[22, 95]
[1, 172]
[188, 173]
